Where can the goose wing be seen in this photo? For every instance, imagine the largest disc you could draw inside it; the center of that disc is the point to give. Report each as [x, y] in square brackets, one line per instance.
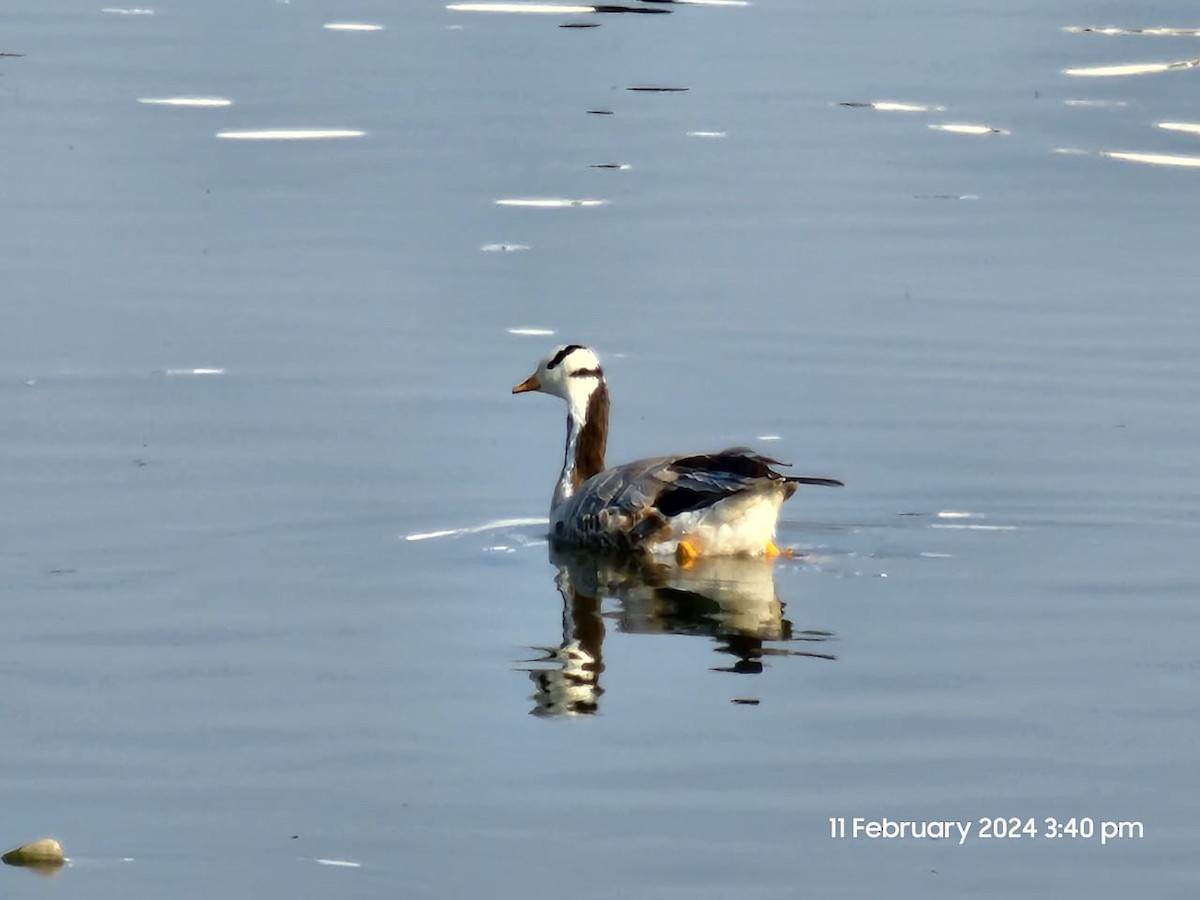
[628, 504]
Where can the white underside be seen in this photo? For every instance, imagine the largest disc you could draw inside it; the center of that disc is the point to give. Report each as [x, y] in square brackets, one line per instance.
[743, 524]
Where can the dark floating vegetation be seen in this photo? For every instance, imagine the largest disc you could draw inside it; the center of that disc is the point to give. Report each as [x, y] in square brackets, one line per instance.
[628, 9]
[660, 90]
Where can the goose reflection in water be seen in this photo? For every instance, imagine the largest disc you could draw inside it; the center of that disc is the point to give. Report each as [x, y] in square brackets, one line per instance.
[730, 599]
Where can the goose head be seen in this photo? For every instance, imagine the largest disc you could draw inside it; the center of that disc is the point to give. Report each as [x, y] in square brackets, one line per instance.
[571, 372]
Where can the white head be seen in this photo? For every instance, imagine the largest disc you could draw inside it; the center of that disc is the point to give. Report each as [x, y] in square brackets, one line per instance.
[572, 372]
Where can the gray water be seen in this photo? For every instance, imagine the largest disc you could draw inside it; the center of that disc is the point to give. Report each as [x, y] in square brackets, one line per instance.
[237, 376]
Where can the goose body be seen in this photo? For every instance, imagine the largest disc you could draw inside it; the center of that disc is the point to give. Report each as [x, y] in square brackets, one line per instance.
[724, 503]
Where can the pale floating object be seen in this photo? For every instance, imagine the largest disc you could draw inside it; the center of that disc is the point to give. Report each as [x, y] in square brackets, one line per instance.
[475, 529]
[966, 128]
[46, 853]
[976, 527]
[1098, 104]
[352, 26]
[550, 202]
[531, 332]
[504, 248]
[1131, 69]
[1155, 159]
[194, 372]
[290, 134]
[708, 134]
[537, 8]
[186, 101]
[891, 106]
[1152, 159]
[127, 11]
[1165, 31]
[340, 863]
[1187, 127]
[958, 514]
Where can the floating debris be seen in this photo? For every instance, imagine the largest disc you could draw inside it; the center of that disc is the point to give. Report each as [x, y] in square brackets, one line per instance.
[549, 8]
[46, 854]
[1131, 69]
[186, 101]
[629, 9]
[550, 202]
[290, 134]
[1098, 104]
[1151, 32]
[536, 8]
[890, 106]
[1155, 159]
[1151, 159]
[965, 128]
[1187, 127]
[975, 528]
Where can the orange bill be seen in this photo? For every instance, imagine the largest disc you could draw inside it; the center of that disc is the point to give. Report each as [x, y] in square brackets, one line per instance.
[529, 384]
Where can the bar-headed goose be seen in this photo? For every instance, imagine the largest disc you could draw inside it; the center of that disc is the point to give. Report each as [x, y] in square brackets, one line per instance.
[711, 503]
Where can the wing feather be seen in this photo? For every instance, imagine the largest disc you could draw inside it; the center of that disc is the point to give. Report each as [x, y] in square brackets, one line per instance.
[628, 505]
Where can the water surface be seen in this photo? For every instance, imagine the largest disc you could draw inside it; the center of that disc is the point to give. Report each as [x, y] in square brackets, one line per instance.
[237, 374]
